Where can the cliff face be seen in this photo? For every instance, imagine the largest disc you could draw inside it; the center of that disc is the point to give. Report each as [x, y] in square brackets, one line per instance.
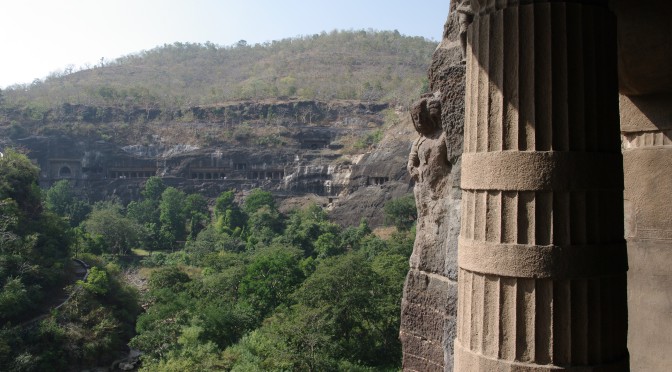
[323, 149]
[428, 318]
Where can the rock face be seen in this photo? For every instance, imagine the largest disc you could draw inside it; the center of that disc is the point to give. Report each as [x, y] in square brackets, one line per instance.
[354, 184]
[428, 315]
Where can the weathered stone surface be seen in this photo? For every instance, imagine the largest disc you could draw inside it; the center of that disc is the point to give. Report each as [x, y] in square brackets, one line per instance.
[542, 280]
[645, 80]
[542, 79]
[429, 302]
[354, 186]
[647, 161]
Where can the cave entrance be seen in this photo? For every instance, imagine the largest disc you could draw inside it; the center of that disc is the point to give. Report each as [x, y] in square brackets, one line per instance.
[65, 172]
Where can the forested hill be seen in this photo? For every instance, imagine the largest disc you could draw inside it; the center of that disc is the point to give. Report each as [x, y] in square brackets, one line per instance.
[364, 65]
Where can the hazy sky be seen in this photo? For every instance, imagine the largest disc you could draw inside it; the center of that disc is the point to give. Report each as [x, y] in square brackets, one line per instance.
[38, 37]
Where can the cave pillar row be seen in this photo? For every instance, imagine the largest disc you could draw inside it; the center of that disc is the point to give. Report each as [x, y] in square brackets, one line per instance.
[542, 256]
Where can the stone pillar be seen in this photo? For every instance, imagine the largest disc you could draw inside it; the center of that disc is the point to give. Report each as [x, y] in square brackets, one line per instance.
[542, 258]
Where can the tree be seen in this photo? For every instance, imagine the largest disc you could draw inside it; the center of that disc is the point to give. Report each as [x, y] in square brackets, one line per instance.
[118, 232]
[197, 214]
[153, 189]
[270, 277]
[347, 294]
[61, 199]
[401, 212]
[170, 277]
[256, 199]
[172, 214]
[327, 245]
[228, 215]
[18, 181]
[264, 224]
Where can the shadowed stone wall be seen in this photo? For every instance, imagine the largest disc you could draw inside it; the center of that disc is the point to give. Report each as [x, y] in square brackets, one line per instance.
[645, 78]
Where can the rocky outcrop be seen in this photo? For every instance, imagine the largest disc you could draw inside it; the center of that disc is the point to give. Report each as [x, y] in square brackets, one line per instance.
[428, 318]
[353, 185]
[376, 177]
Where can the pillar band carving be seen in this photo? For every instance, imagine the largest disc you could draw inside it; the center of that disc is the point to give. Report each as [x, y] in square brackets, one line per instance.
[542, 258]
[543, 261]
[637, 140]
[541, 170]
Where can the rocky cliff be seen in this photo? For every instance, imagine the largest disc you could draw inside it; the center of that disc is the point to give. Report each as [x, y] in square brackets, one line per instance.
[340, 153]
[428, 318]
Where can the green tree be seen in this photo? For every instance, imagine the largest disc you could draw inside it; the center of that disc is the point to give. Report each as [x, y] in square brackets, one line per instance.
[228, 215]
[346, 293]
[154, 188]
[118, 232]
[61, 199]
[327, 245]
[256, 199]
[170, 277]
[146, 213]
[197, 214]
[97, 282]
[18, 181]
[172, 214]
[401, 212]
[270, 277]
[264, 224]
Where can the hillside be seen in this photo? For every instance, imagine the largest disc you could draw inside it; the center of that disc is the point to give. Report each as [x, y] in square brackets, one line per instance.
[107, 129]
[364, 65]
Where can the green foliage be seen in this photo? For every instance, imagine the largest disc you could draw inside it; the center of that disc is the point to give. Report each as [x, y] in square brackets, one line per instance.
[196, 213]
[228, 215]
[172, 214]
[270, 277]
[170, 277]
[370, 139]
[97, 282]
[14, 298]
[33, 243]
[256, 199]
[401, 212]
[18, 181]
[61, 200]
[106, 224]
[34, 267]
[154, 188]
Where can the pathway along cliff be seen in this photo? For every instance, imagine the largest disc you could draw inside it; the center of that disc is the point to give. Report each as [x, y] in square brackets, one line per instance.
[81, 273]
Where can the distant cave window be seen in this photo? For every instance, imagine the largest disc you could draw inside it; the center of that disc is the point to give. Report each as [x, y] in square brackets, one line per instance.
[65, 172]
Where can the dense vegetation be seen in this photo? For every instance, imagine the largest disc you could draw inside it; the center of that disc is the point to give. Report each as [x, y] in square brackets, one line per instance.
[259, 290]
[365, 65]
[35, 245]
[234, 286]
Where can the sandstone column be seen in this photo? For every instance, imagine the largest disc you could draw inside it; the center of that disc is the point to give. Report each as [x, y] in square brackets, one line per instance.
[542, 258]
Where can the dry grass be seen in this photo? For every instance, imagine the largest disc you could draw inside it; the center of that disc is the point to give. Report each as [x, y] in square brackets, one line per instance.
[384, 232]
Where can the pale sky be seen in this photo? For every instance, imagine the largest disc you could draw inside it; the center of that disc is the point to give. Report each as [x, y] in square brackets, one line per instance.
[38, 37]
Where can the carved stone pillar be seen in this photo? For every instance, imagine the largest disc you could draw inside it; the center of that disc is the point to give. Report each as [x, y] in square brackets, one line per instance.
[542, 258]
